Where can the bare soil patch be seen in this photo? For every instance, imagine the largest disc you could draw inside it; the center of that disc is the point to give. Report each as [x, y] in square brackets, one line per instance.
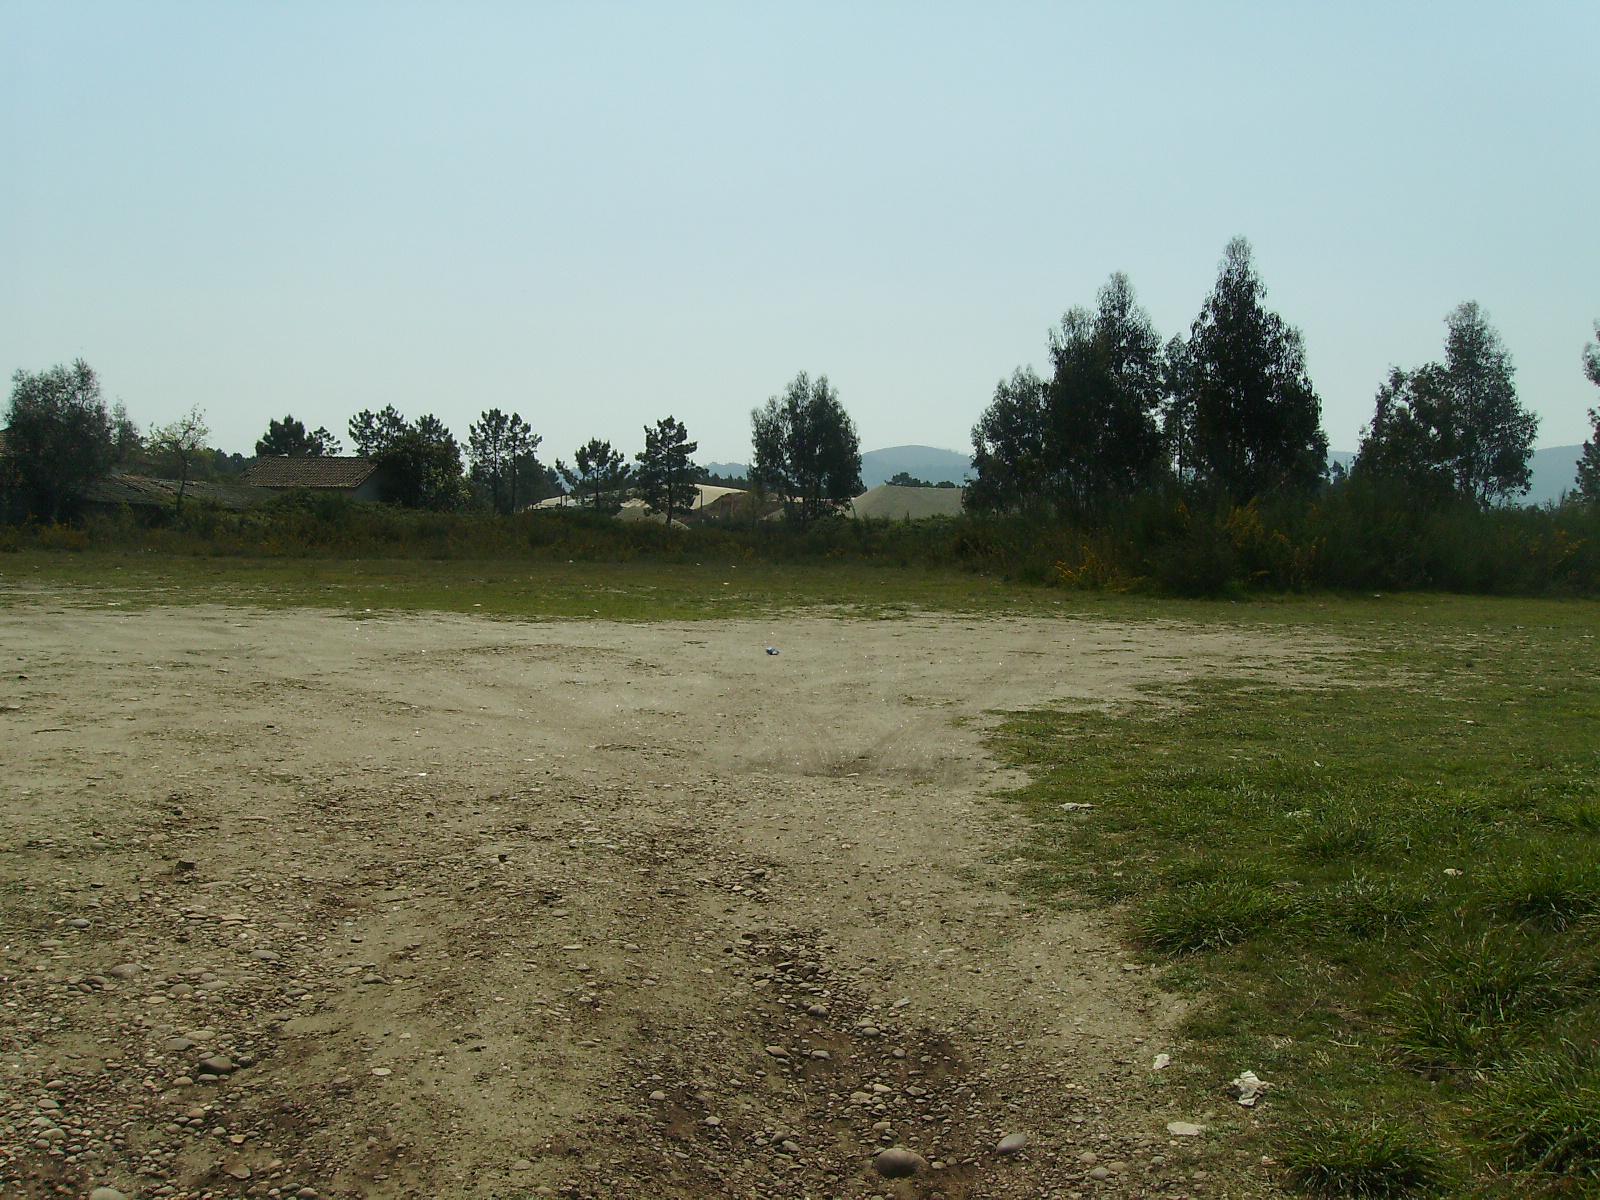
[488, 909]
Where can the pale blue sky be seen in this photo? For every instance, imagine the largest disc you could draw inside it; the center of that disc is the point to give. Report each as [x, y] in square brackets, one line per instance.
[598, 214]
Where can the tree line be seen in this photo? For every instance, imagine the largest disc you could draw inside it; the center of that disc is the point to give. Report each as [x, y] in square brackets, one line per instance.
[1229, 413]
[1226, 415]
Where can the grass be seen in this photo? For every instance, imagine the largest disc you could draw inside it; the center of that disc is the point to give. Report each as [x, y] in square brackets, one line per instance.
[510, 588]
[1381, 888]
[1363, 1157]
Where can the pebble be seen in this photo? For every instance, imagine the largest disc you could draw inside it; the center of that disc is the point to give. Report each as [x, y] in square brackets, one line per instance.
[897, 1162]
[106, 1193]
[217, 1064]
[1012, 1143]
[124, 971]
[1184, 1129]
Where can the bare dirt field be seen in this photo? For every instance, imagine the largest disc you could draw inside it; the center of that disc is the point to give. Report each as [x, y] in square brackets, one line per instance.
[293, 903]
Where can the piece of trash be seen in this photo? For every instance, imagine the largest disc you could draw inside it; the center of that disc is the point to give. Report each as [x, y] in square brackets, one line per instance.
[772, 649]
[1453, 872]
[1249, 1088]
[1161, 1063]
[1184, 1129]
[1075, 806]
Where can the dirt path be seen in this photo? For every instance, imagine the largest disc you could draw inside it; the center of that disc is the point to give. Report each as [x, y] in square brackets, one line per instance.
[481, 909]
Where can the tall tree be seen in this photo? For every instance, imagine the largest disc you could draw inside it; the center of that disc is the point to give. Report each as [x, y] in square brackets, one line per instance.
[806, 450]
[1104, 439]
[1454, 427]
[500, 447]
[1409, 436]
[1588, 477]
[599, 477]
[421, 460]
[1493, 451]
[422, 465]
[1256, 420]
[371, 433]
[126, 442]
[1009, 447]
[288, 439]
[59, 439]
[666, 472]
[181, 443]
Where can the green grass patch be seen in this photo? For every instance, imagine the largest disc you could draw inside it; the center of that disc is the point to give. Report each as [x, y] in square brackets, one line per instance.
[513, 588]
[1379, 886]
[1363, 1157]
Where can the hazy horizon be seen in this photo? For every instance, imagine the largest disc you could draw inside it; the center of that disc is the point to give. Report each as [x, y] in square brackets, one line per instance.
[597, 215]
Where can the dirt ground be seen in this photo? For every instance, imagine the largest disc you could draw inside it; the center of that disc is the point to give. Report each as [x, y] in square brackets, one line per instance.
[297, 904]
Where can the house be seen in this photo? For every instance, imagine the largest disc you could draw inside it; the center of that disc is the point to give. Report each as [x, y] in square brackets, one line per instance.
[146, 495]
[357, 478]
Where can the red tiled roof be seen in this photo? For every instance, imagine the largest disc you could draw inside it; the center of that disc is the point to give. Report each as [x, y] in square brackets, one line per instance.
[344, 474]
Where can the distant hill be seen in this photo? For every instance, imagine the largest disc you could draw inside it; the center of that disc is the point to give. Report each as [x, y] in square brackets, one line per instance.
[1554, 470]
[919, 462]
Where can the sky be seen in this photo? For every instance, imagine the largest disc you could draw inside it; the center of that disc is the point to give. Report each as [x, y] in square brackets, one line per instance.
[599, 214]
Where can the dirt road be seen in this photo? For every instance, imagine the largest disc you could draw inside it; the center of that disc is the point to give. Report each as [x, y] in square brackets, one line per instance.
[296, 904]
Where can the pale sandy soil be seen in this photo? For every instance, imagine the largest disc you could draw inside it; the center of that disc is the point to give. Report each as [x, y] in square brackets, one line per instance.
[456, 897]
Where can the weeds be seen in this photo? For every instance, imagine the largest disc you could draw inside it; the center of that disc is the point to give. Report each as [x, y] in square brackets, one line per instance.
[1210, 916]
[1478, 998]
[1373, 1157]
[1544, 1113]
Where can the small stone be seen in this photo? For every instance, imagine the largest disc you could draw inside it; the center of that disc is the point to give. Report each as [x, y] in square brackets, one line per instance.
[124, 971]
[1012, 1143]
[217, 1064]
[778, 1052]
[382, 1072]
[1100, 1173]
[897, 1162]
[78, 923]
[1184, 1129]
[522, 1164]
[106, 1193]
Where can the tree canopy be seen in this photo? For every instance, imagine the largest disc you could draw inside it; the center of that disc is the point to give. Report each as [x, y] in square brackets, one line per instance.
[1010, 447]
[288, 439]
[1251, 422]
[421, 460]
[806, 450]
[1454, 427]
[600, 476]
[181, 443]
[59, 439]
[1587, 481]
[666, 472]
[502, 448]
